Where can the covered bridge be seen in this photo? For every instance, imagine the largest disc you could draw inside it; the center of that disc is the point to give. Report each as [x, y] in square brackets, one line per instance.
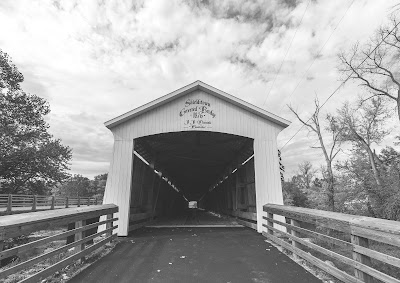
[197, 143]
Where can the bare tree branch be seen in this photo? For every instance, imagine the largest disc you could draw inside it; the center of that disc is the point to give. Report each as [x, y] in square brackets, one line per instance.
[301, 120]
[313, 124]
[375, 64]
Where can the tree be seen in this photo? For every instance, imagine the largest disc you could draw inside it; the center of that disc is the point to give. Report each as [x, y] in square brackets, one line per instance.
[390, 167]
[10, 77]
[304, 189]
[31, 160]
[359, 191]
[313, 124]
[375, 65]
[80, 186]
[364, 126]
[293, 195]
[98, 185]
[305, 175]
[296, 190]
[75, 186]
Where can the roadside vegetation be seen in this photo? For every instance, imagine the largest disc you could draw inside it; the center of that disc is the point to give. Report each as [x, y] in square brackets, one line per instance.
[32, 161]
[366, 179]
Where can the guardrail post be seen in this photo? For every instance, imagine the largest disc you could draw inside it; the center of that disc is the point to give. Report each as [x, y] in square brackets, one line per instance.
[88, 201]
[9, 204]
[296, 234]
[53, 200]
[66, 202]
[79, 236]
[34, 203]
[109, 224]
[79, 201]
[363, 242]
[95, 201]
[270, 223]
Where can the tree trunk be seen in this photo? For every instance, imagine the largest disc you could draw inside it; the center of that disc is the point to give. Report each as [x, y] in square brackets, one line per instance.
[331, 191]
[373, 167]
[398, 103]
[330, 186]
[376, 200]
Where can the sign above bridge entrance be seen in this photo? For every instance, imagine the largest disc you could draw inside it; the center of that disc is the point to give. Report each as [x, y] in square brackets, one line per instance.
[197, 114]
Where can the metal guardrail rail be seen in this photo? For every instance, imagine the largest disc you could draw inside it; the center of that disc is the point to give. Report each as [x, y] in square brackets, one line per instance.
[358, 232]
[83, 234]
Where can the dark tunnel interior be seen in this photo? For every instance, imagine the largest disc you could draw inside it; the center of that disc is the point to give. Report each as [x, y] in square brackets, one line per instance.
[192, 166]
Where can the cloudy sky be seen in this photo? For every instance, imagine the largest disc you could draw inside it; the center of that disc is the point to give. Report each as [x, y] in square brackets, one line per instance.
[93, 60]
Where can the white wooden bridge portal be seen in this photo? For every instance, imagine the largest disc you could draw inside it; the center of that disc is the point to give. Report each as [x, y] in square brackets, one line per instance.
[197, 144]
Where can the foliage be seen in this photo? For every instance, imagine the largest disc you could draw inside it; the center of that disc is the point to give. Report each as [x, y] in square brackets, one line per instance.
[31, 160]
[75, 186]
[305, 189]
[292, 195]
[366, 183]
[356, 191]
[357, 184]
[79, 186]
[10, 77]
[305, 176]
[98, 186]
[390, 167]
[362, 195]
[363, 126]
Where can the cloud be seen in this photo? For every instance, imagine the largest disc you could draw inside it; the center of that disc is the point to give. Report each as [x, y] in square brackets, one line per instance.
[94, 60]
[33, 82]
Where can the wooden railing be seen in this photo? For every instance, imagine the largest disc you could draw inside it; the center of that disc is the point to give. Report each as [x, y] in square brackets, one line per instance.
[85, 238]
[359, 245]
[248, 219]
[10, 203]
[138, 220]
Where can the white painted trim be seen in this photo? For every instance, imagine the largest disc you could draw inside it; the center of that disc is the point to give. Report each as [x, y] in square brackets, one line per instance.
[189, 88]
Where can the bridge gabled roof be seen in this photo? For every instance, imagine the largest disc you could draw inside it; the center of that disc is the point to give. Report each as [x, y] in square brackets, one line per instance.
[197, 85]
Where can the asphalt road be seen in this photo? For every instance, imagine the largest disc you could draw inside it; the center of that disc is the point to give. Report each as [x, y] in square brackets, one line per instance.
[195, 255]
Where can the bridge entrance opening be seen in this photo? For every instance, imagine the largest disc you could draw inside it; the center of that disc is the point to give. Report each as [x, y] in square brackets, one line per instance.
[172, 170]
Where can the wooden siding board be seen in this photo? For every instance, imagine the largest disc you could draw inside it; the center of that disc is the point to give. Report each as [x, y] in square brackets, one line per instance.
[260, 167]
[118, 187]
[116, 192]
